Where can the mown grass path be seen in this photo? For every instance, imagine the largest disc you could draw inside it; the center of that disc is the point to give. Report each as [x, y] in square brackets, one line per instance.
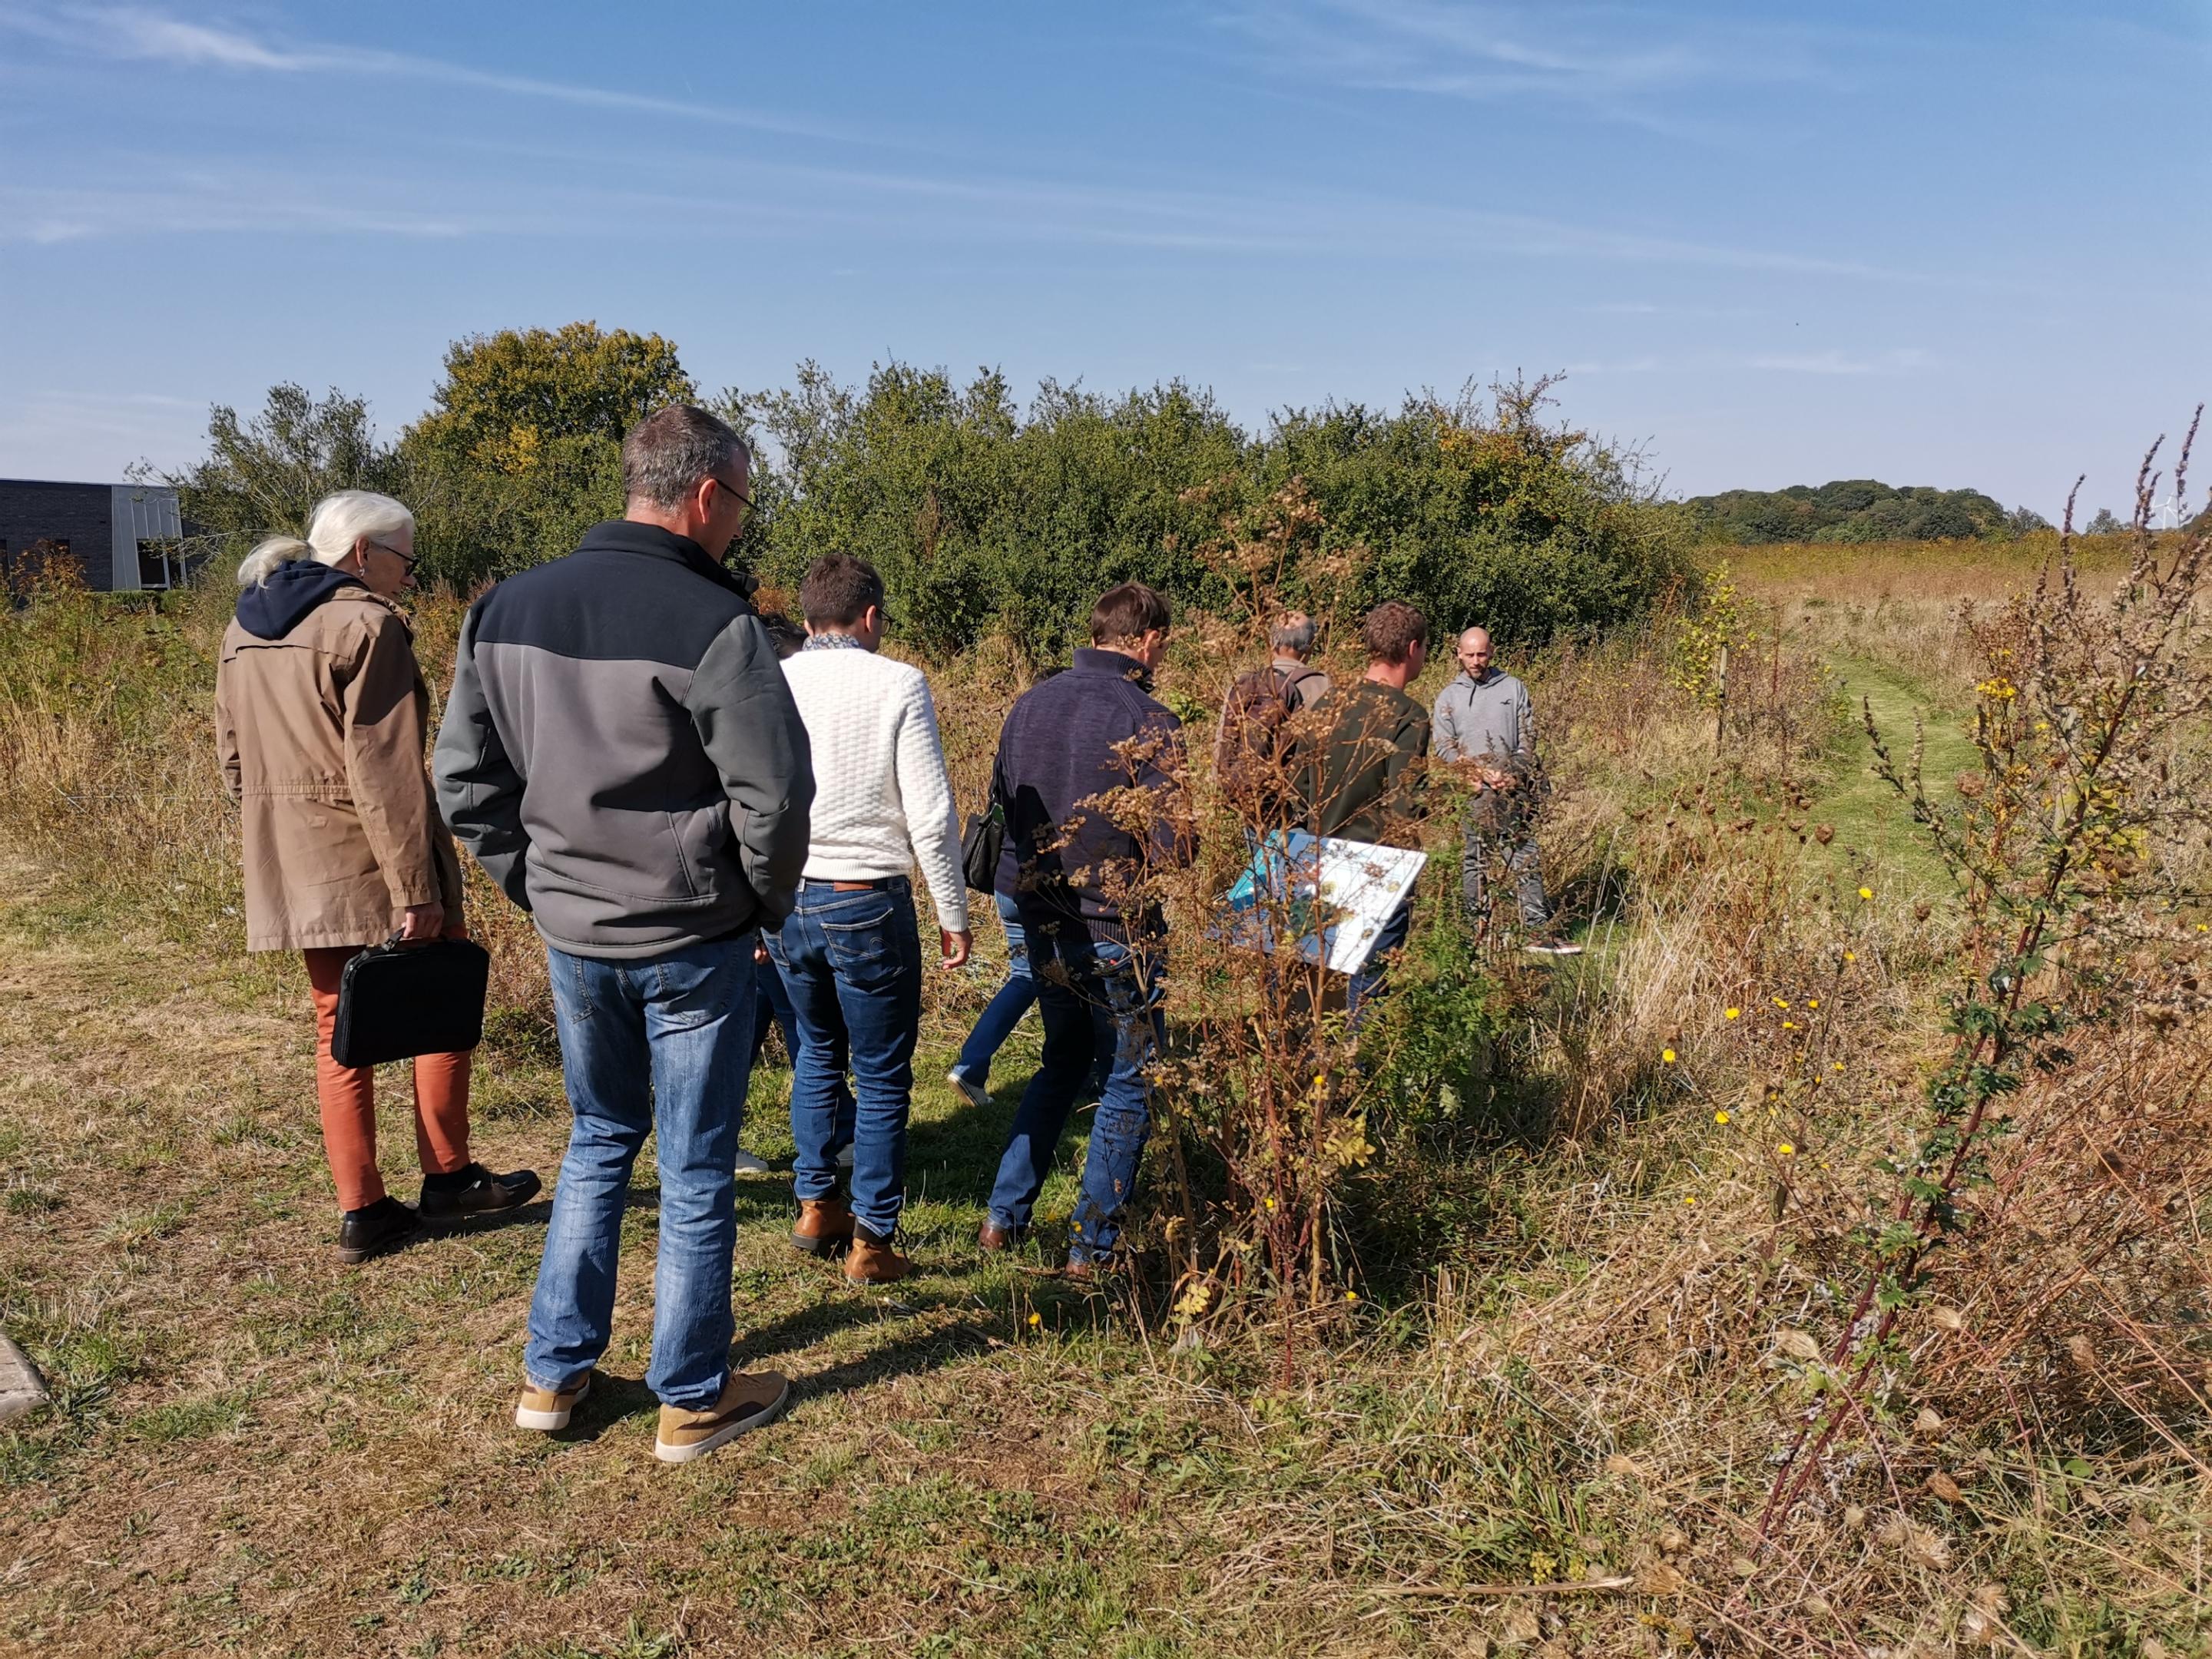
[1870, 818]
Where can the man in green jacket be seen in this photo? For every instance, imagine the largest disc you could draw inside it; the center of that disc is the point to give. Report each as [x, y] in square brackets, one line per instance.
[1361, 780]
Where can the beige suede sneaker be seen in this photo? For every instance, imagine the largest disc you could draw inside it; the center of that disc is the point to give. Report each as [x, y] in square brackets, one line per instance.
[749, 1400]
[547, 1410]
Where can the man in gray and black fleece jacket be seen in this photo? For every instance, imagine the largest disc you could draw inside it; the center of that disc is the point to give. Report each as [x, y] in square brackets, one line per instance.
[622, 754]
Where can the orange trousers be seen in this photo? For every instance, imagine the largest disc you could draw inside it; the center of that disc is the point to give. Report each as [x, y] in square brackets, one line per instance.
[348, 1094]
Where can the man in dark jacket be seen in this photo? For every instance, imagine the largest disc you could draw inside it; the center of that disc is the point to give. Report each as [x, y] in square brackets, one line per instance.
[621, 753]
[1360, 779]
[1094, 951]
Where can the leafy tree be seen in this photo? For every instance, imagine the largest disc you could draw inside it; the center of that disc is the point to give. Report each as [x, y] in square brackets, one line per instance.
[982, 518]
[2106, 523]
[521, 451]
[261, 476]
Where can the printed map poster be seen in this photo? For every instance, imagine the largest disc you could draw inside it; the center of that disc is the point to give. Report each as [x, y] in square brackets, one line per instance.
[1335, 896]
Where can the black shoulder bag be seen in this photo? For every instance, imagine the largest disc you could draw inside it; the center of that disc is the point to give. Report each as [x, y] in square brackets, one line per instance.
[981, 843]
[395, 1001]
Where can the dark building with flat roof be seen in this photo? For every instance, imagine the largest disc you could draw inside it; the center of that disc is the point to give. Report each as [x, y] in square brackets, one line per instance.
[119, 536]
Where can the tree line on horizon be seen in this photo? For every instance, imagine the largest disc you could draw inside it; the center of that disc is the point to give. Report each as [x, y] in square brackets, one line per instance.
[985, 516]
[1862, 510]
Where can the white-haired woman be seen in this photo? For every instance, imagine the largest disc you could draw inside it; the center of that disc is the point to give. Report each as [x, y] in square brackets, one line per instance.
[321, 715]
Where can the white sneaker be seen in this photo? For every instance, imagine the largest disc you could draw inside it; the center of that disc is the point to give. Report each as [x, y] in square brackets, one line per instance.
[975, 1093]
[748, 1165]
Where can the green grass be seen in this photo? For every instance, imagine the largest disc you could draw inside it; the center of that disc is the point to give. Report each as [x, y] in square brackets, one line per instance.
[1870, 819]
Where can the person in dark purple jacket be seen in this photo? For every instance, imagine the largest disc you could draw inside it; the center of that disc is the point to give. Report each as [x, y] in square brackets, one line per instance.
[1065, 867]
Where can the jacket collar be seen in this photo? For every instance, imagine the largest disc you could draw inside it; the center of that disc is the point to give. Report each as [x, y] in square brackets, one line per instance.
[272, 608]
[1089, 659]
[1489, 678]
[631, 535]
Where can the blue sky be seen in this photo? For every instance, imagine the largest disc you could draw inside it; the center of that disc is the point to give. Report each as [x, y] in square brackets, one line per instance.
[1958, 244]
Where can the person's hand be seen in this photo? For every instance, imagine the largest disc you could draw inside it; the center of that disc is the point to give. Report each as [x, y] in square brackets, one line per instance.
[421, 923]
[760, 953]
[956, 946]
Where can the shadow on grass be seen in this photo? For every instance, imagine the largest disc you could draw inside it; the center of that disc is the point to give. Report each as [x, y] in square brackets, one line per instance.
[615, 1398]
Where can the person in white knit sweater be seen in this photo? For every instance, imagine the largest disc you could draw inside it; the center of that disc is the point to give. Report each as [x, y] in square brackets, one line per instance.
[850, 953]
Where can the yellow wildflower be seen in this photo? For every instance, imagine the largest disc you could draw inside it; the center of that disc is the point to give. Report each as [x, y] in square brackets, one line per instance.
[1866, 892]
[1786, 1149]
[1667, 1055]
[1036, 1319]
[1737, 1013]
[1812, 1002]
[1720, 1117]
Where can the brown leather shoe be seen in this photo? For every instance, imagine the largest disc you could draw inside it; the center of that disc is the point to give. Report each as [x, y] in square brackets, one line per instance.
[993, 1237]
[872, 1261]
[825, 1226]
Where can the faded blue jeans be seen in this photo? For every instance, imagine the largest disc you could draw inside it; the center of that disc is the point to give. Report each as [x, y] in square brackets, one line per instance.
[1004, 1010]
[1098, 1000]
[852, 962]
[662, 1044]
[1372, 980]
[1014, 998]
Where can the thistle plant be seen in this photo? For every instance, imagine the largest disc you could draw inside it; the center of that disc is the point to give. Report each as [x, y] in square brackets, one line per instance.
[2074, 849]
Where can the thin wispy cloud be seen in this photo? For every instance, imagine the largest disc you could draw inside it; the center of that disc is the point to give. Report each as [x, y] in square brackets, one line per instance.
[1623, 63]
[135, 34]
[1897, 361]
[425, 195]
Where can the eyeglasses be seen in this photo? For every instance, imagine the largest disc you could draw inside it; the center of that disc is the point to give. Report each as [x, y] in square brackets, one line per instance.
[734, 490]
[407, 559]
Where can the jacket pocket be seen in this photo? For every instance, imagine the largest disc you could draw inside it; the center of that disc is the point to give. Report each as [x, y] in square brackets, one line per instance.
[703, 841]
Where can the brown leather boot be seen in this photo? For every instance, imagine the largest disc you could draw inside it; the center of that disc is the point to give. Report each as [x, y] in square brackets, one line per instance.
[872, 1261]
[993, 1237]
[825, 1226]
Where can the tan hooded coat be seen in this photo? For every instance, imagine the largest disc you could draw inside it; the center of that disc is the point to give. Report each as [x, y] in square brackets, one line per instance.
[322, 734]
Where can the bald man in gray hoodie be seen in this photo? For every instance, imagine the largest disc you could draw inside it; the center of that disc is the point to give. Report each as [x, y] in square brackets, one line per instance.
[1482, 720]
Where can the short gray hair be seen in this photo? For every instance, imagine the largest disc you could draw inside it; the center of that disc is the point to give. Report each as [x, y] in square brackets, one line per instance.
[1295, 632]
[670, 450]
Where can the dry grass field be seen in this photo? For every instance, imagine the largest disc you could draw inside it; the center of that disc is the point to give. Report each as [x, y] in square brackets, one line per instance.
[1554, 1433]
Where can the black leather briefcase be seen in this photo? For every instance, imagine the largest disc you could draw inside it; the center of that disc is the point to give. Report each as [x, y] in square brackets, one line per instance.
[395, 1001]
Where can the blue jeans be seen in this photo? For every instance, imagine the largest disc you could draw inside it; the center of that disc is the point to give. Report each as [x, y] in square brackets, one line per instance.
[1013, 1000]
[774, 1005]
[1372, 980]
[1102, 1004]
[852, 962]
[657, 1045]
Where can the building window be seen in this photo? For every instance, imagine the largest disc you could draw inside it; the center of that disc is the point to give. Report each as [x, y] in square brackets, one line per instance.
[166, 562]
